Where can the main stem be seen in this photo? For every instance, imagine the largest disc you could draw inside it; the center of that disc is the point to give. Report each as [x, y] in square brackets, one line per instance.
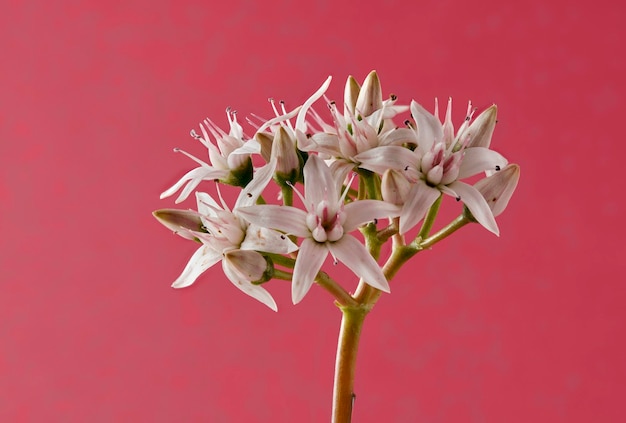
[343, 390]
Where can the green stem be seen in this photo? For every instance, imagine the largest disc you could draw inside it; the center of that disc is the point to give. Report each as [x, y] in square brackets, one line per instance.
[287, 192]
[448, 230]
[429, 220]
[281, 274]
[345, 364]
[342, 296]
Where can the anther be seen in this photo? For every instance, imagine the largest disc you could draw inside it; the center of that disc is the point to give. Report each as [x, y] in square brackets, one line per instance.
[458, 198]
[249, 195]
[497, 168]
[194, 134]
[375, 221]
[282, 237]
[393, 97]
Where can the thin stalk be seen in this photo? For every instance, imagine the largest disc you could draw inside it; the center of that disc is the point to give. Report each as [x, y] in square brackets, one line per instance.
[345, 364]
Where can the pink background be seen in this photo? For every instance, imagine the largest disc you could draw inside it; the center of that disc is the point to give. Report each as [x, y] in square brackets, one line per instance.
[525, 328]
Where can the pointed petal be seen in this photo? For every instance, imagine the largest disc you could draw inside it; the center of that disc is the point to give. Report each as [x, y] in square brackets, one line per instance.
[480, 159]
[284, 218]
[310, 259]
[394, 187]
[201, 260]
[477, 205]
[252, 191]
[498, 188]
[267, 240]
[176, 220]
[429, 129]
[301, 119]
[363, 211]
[398, 136]
[194, 177]
[419, 200]
[481, 130]
[319, 184]
[239, 279]
[354, 255]
[388, 157]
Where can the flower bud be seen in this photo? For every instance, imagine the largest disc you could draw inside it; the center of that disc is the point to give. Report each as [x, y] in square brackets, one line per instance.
[370, 97]
[350, 94]
[180, 219]
[498, 188]
[265, 141]
[395, 187]
[248, 265]
[284, 150]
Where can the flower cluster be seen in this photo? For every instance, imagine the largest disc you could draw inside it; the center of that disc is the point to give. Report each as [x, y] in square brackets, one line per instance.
[359, 171]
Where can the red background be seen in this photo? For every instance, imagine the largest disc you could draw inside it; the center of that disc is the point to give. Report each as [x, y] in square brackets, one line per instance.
[94, 96]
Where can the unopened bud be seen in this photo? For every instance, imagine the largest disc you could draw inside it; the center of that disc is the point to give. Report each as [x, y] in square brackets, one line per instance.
[265, 141]
[249, 265]
[395, 187]
[284, 150]
[178, 220]
[370, 97]
[350, 94]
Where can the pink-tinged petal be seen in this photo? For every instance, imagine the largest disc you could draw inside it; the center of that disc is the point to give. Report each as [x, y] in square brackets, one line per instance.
[267, 240]
[370, 96]
[201, 260]
[301, 119]
[240, 275]
[480, 159]
[176, 220]
[498, 188]
[319, 184]
[354, 255]
[419, 200]
[364, 211]
[477, 205]
[207, 206]
[193, 179]
[481, 130]
[394, 187]
[398, 136]
[429, 129]
[252, 191]
[284, 218]
[310, 259]
[387, 157]
[321, 143]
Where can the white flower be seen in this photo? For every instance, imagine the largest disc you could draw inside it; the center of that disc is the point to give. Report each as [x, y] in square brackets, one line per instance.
[232, 240]
[365, 124]
[324, 226]
[436, 166]
[230, 159]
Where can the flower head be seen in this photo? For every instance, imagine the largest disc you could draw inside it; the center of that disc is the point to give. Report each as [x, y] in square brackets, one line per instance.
[437, 165]
[230, 159]
[227, 237]
[324, 225]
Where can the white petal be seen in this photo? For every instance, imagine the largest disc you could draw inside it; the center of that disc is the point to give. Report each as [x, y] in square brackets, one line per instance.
[477, 204]
[353, 254]
[398, 136]
[252, 191]
[319, 183]
[498, 188]
[310, 259]
[206, 204]
[418, 202]
[255, 291]
[300, 120]
[194, 176]
[284, 218]
[201, 260]
[480, 159]
[267, 240]
[429, 129]
[387, 157]
[363, 211]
